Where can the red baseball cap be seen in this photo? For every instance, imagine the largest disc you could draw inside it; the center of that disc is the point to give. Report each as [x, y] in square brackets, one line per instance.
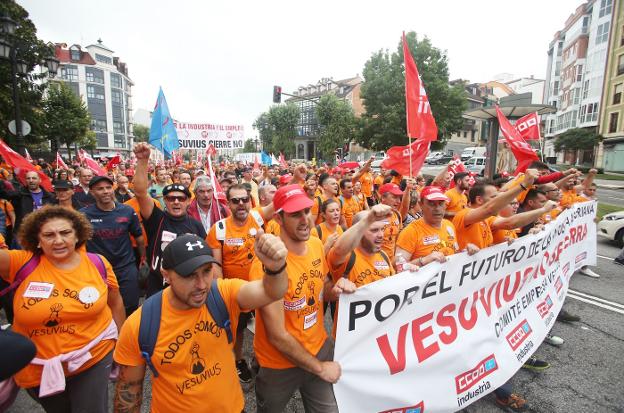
[392, 188]
[291, 198]
[285, 179]
[433, 193]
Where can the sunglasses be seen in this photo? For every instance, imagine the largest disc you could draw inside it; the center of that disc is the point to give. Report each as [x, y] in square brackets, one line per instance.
[173, 198]
[243, 200]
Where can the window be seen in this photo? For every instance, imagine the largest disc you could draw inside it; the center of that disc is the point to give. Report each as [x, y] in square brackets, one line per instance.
[605, 8]
[115, 80]
[622, 37]
[69, 73]
[613, 122]
[585, 89]
[94, 75]
[94, 92]
[120, 141]
[74, 53]
[556, 87]
[617, 94]
[602, 34]
[98, 125]
[116, 97]
[103, 59]
[579, 73]
[620, 67]
[118, 127]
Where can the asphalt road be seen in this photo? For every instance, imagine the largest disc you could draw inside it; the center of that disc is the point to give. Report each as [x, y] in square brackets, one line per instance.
[586, 373]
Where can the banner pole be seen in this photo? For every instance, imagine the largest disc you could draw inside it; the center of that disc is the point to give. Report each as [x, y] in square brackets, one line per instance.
[410, 155]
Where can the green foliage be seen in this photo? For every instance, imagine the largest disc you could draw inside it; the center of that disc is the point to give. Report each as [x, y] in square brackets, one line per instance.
[277, 129]
[30, 89]
[383, 92]
[337, 123]
[577, 139]
[66, 117]
[141, 133]
[249, 146]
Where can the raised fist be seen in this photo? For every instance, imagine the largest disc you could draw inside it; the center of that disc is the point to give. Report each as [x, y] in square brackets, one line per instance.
[530, 176]
[142, 150]
[270, 250]
[550, 205]
[379, 212]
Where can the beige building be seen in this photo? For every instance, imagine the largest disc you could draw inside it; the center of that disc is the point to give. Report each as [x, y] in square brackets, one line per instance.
[610, 154]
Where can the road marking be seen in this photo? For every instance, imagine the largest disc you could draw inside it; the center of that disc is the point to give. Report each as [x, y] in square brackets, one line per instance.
[619, 309]
[591, 297]
[606, 258]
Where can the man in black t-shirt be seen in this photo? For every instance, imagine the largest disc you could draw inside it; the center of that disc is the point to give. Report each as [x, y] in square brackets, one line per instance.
[161, 227]
[112, 226]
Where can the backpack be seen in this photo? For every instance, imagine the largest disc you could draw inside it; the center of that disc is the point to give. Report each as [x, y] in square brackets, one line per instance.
[30, 266]
[220, 230]
[151, 315]
[319, 231]
[351, 263]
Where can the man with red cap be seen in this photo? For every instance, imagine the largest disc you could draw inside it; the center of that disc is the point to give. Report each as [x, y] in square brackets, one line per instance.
[291, 344]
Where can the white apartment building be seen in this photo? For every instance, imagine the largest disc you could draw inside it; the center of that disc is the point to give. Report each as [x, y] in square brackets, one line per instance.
[101, 80]
[575, 72]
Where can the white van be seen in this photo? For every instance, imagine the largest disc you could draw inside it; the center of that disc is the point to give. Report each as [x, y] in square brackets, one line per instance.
[473, 151]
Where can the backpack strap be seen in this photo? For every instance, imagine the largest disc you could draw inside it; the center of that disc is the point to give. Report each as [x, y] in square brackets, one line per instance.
[23, 273]
[257, 217]
[218, 310]
[220, 230]
[349, 266]
[319, 231]
[99, 264]
[341, 199]
[385, 257]
[149, 327]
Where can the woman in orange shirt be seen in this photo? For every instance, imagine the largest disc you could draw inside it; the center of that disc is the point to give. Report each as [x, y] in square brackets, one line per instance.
[328, 231]
[68, 304]
[357, 193]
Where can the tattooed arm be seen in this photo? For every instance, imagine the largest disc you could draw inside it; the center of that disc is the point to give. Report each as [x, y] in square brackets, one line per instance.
[129, 389]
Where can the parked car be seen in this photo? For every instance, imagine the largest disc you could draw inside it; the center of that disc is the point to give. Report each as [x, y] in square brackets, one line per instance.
[376, 164]
[612, 227]
[432, 156]
[441, 160]
[472, 151]
[476, 165]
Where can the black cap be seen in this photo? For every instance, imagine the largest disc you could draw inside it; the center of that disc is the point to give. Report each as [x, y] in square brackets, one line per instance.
[97, 179]
[176, 188]
[185, 254]
[63, 184]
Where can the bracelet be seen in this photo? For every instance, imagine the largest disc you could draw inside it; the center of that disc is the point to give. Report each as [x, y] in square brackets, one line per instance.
[523, 187]
[273, 273]
[420, 262]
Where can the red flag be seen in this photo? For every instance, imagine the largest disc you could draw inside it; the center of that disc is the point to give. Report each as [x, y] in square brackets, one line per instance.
[211, 151]
[21, 166]
[282, 161]
[420, 121]
[59, 162]
[28, 158]
[455, 167]
[521, 150]
[528, 126]
[399, 157]
[91, 163]
[113, 163]
[256, 164]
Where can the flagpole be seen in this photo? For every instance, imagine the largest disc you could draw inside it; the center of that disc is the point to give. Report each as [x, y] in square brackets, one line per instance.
[541, 139]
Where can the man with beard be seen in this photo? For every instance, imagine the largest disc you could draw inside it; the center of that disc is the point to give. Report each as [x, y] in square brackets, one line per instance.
[113, 223]
[457, 195]
[185, 179]
[232, 242]
[350, 204]
[28, 199]
[123, 193]
[81, 196]
[156, 190]
[392, 196]
[205, 208]
[329, 189]
[294, 351]
[161, 227]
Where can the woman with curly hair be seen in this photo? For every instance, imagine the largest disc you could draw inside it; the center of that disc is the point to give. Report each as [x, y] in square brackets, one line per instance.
[68, 303]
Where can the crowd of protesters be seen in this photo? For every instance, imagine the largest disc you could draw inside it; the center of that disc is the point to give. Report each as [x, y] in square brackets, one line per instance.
[282, 240]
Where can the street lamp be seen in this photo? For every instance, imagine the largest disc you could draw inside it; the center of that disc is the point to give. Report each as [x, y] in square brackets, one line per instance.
[9, 51]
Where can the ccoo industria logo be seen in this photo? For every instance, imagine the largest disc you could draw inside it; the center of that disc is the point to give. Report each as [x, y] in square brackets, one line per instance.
[418, 408]
[469, 378]
[519, 334]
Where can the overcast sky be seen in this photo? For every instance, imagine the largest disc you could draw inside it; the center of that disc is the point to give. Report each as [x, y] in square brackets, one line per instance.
[217, 61]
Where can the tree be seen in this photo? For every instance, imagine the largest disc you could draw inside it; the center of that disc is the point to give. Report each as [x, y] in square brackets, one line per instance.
[141, 133]
[383, 92]
[249, 146]
[283, 120]
[263, 126]
[337, 123]
[30, 88]
[66, 117]
[577, 139]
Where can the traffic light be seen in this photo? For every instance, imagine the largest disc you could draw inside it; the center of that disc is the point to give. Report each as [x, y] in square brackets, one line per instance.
[277, 94]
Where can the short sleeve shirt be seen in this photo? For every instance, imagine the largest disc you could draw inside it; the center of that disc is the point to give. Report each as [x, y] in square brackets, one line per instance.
[367, 184]
[192, 355]
[367, 268]
[421, 239]
[478, 233]
[325, 231]
[350, 207]
[457, 201]
[391, 233]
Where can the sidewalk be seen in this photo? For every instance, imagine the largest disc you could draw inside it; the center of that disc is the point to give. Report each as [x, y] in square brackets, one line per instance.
[609, 184]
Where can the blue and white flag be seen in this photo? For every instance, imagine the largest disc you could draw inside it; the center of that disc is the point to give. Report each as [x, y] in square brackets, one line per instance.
[163, 135]
[266, 159]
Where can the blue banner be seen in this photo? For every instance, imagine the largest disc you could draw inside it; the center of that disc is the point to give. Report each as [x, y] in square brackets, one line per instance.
[163, 135]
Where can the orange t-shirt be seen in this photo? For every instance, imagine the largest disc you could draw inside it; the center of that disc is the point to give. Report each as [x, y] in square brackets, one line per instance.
[421, 239]
[457, 201]
[316, 207]
[350, 207]
[378, 180]
[391, 232]
[367, 184]
[302, 303]
[272, 227]
[361, 200]
[366, 268]
[195, 362]
[134, 204]
[570, 197]
[325, 231]
[501, 235]
[61, 323]
[3, 245]
[237, 249]
[479, 233]
[550, 216]
[7, 207]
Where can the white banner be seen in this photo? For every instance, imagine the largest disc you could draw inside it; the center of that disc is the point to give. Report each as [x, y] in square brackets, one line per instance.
[441, 338]
[198, 136]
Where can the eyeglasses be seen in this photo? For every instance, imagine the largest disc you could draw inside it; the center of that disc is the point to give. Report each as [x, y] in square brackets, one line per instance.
[243, 200]
[552, 190]
[173, 198]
